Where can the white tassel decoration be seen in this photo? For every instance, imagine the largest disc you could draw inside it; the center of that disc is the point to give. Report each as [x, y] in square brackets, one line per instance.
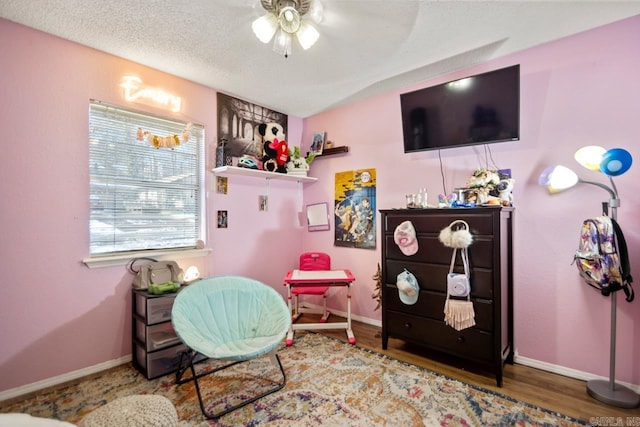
[459, 314]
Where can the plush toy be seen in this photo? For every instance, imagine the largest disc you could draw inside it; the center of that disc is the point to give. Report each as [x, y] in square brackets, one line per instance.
[275, 152]
[446, 201]
[482, 181]
[505, 191]
[483, 178]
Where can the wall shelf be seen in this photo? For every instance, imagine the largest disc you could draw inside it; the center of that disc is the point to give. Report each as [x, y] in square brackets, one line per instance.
[333, 150]
[234, 170]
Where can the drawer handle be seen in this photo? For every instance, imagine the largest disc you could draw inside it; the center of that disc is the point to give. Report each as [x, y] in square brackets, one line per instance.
[461, 338]
[407, 325]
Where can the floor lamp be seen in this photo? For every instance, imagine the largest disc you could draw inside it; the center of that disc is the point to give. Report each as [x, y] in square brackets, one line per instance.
[612, 163]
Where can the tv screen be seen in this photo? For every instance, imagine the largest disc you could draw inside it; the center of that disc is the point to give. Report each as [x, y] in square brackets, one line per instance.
[479, 109]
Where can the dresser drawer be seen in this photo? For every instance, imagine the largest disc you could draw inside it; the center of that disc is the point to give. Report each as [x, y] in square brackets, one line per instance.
[469, 343]
[431, 250]
[433, 277]
[434, 220]
[431, 305]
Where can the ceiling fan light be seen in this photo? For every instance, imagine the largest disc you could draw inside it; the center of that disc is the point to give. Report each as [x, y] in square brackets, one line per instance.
[265, 27]
[289, 19]
[284, 19]
[307, 35]
[282, 43]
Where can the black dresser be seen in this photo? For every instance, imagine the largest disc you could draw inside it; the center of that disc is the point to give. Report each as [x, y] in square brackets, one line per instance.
[490, 341]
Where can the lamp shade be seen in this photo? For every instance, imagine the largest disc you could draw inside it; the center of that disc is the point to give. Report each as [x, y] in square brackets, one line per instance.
[265, 27]
[307, 35]
[558, 178]
[590, 156]
[615, 161]
[282, 43]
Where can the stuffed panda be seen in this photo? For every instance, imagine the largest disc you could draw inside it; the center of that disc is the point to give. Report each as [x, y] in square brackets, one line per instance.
[275, 152]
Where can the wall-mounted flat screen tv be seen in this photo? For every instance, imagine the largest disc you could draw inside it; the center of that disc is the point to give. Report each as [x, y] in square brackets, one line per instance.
[480, 109]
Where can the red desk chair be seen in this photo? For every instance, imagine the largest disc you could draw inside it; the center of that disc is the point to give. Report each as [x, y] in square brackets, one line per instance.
[312, 261]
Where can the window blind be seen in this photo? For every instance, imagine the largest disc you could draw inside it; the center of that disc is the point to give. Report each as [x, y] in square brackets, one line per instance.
[142, 197]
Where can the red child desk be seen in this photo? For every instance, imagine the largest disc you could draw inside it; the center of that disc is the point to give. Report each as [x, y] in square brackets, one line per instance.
[296, 278]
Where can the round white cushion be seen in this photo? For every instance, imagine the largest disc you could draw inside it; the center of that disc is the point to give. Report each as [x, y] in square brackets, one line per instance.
[134, 411]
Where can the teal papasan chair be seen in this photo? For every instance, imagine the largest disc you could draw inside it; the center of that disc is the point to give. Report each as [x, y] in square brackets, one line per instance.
[233, 319]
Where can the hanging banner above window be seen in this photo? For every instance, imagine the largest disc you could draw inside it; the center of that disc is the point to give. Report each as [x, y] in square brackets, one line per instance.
[355, 209]
[135, 91]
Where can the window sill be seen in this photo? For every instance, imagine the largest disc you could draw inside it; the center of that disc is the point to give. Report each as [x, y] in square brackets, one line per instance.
[160, 255]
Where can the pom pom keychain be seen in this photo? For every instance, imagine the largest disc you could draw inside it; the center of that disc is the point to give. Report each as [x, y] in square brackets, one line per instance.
[458, 239]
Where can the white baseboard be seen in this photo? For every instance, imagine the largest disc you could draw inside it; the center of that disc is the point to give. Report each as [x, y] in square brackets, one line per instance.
[60, 379]
[544, 366]
[567, 372]
[340, 313]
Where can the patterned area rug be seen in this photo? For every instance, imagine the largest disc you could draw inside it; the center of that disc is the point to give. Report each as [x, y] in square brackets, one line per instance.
[329, 383]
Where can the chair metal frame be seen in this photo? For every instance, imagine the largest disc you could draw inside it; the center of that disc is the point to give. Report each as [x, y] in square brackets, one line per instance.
[210, 342]
[189, 356]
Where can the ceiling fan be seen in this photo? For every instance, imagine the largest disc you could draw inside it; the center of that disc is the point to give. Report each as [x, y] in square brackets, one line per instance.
[285, 18]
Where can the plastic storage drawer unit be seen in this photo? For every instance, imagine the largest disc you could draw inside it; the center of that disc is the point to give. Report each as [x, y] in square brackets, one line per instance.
[160, 362]
[154, 309]
[156, 337]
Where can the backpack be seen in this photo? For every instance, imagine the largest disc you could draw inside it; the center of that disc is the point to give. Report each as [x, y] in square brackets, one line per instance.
[602, 257]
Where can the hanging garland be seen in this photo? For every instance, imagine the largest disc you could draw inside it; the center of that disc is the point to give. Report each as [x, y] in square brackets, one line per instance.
[157, 141]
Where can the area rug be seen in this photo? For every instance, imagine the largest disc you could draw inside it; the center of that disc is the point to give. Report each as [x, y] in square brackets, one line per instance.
[329, 383]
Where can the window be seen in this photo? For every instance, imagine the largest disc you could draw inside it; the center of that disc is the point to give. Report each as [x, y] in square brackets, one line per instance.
[142, 197]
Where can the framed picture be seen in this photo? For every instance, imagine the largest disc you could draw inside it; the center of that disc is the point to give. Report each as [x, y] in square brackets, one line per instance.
[237, 121]
[263, 203]
[355, 209]
[222, 219]
[221, 184]
[317, 143]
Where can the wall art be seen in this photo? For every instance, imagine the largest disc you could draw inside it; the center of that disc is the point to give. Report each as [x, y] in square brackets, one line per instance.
[223, 219]
[355, 209]
[237, 121]
[317, 143]
[222, 184]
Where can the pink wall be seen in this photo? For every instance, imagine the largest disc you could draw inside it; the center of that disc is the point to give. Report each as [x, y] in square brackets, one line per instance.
[578, 91]
[57, 316]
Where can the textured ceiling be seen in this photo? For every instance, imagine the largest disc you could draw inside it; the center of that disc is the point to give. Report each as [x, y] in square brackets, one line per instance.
[366, 47]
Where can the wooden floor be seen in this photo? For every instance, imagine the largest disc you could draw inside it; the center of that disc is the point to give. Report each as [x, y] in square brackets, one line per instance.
[550, 391]
[540, 388]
